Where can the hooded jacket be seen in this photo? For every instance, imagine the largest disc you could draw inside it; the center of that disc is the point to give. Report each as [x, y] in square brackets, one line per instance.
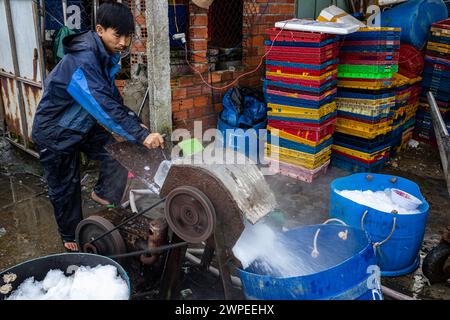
[79, 92]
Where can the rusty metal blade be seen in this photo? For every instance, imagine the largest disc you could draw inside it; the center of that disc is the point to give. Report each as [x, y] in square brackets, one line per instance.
[137, 159]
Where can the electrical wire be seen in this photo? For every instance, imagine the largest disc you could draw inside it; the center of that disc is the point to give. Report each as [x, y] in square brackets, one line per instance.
[242, 75]
[175, 15]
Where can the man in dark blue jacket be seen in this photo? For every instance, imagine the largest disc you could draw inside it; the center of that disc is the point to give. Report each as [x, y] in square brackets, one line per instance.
[79, 111]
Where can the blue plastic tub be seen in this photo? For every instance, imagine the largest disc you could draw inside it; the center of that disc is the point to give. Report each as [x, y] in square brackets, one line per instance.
[399, 254]
[346, 274]
[415, 17]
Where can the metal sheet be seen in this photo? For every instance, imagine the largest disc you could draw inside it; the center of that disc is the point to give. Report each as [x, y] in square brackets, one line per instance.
[6, 62]
[10, 97]
[139, 160]
[25, 34]
[32, 96]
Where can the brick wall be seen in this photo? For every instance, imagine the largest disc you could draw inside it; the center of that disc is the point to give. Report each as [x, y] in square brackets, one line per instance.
[192, 99]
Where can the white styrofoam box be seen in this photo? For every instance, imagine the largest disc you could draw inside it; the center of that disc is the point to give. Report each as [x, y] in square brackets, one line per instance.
[315, 26]
[336, 14]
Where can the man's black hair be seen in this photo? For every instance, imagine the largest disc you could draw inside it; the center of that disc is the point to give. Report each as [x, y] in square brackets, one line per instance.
[116, 16]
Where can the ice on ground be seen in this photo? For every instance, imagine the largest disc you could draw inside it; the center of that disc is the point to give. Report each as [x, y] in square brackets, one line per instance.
[99, 283]
[379, 200]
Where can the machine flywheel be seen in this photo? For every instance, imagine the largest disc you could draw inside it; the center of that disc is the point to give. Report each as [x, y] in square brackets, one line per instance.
[190, 214]
[93, 227]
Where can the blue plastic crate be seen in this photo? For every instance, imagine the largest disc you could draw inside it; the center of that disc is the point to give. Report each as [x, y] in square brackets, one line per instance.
[288, 144]
[321, 90]
[377, 48]
[354, 166]
[371, 36]
[302, 65]
[439, 39]
[347, 143]
[362, 144]
[344, 93]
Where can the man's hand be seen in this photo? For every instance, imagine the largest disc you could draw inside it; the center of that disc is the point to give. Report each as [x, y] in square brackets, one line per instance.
[154, 140]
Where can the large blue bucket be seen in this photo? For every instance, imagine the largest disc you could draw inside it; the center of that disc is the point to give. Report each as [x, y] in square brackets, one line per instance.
[397, 237]
[415, 17]
[350, 273]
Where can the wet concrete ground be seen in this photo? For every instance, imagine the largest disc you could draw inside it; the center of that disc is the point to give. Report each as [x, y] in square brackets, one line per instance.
[28, 228]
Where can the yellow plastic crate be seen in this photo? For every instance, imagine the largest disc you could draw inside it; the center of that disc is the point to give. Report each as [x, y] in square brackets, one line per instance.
[307, 160]
[292, 137]
[362, 134]
[301, 77]
[367, 127]
[438, 44]
[299, 162]
[366, 102]
[376, 85]
[366, 111]
[279, 110]
[400, 80]
[359, 154]
[440, 32]
[375, 29]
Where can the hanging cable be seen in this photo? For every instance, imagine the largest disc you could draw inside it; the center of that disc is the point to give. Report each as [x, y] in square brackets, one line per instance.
[242, 75]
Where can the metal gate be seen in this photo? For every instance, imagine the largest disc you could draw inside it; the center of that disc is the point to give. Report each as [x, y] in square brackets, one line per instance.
[21, 69]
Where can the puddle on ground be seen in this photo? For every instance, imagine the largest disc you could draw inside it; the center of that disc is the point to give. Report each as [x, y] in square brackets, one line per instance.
[27, 226]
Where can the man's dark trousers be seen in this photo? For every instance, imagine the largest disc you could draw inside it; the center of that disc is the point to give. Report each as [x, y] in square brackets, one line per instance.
[62, 172]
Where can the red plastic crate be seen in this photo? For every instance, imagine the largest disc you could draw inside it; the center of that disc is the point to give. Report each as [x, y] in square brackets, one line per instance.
[304, 50]
[312, 132]
[445, 57]
[437, 66]
[367, 56]
[286, 55]
[297, 36]
[444, 24]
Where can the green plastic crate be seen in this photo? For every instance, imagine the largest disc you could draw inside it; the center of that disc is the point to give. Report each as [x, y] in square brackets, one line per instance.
[350, 68]
[365, 75]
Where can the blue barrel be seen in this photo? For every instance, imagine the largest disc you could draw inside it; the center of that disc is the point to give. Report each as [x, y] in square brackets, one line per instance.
[348, 269]
[398, 237]
[66, 262]
[246, 141]
[415, 17]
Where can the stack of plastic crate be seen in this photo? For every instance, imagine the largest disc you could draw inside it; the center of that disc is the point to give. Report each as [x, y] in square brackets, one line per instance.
[361, 141]
[300, 87]
[407, 92]
[368, 60]
[436, 78]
